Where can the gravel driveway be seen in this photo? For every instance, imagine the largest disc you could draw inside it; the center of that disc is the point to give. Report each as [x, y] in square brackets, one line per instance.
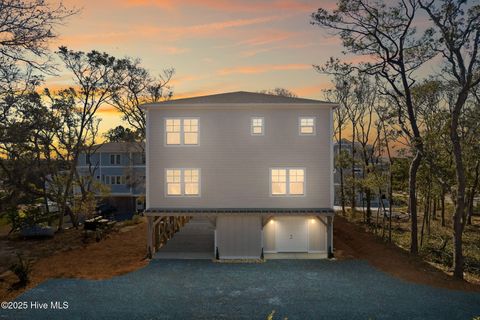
[297, 289]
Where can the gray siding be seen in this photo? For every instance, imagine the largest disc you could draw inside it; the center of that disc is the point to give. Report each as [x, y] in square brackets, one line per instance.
[234, 164]
[239, 236]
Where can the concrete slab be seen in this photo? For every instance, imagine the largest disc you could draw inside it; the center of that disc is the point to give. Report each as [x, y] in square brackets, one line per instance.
[295, 255]
[194, 241]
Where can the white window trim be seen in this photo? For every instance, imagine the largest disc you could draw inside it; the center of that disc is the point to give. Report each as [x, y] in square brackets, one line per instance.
[182, 184]
[110, 176]
[251, 126]
[115, 159]
[287, 194]
[314, 125]
[182, 136]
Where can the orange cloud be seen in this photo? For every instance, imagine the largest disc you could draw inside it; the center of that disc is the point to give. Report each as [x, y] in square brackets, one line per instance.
[226, 5]
[263, 68]
[167, 33]
[255, 51]
[311, 91]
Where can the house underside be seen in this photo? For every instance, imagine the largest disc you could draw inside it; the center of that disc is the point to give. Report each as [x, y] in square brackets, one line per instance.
[250, 233]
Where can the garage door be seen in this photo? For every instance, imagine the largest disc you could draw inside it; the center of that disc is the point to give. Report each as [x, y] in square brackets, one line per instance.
[291, 234]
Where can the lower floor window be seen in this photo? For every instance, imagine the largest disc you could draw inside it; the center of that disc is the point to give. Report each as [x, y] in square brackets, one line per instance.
[114, 180]
[182, 182]
[287, 181]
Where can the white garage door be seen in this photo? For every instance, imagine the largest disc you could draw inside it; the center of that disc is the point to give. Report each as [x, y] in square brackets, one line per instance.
[291, 234]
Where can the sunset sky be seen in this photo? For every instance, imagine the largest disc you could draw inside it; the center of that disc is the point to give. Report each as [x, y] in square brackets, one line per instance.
[214, 45]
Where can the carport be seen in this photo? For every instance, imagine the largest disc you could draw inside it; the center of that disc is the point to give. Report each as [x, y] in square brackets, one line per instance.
[227, 233]
[195, 240]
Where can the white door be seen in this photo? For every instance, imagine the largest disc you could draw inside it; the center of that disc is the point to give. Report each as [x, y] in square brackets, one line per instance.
[291, 234]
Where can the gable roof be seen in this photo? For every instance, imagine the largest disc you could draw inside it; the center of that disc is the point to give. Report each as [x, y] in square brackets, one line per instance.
[238, 97]
[119, 147]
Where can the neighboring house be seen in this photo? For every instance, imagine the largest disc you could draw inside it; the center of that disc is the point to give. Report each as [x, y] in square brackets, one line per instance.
[359, 174]
[120, 167]
[259, 166]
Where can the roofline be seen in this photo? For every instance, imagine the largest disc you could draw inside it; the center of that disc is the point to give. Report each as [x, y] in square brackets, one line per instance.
[286, 105]
[244, 211]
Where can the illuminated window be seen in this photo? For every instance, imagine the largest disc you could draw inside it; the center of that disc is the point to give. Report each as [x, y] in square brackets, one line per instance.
[180, 131]
[183, 182]
[279, 181]
[174, 179]
[191, 181]
[287, 181]
[190, 131]
[257, 126]
[307, 125]
[296, 180]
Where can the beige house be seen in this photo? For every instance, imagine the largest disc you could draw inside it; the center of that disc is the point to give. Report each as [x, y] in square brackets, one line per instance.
[259, 166]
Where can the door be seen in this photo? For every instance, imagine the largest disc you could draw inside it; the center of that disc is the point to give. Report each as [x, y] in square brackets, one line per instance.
[291, 234]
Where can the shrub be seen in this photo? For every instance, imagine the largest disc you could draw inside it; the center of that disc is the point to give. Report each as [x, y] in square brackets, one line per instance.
[22, 270]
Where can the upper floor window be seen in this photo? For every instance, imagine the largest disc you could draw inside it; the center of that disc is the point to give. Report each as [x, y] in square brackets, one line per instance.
[306, 125]
[257, 126]
[182, 182]
[143, 158]
[181, 131]
[114, 159]
[287, 181]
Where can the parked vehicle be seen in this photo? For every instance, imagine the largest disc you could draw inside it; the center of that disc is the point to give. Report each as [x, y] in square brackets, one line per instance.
[105, 209]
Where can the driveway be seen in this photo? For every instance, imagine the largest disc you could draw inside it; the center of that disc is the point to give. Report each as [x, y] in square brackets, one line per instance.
[194, 241]
[297, 289]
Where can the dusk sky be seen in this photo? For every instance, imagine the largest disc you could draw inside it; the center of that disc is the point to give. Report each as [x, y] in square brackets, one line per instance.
[214, 45]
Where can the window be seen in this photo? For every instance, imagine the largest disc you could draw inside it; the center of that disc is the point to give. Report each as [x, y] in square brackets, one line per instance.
[257, 126]
[87, 159]
[307, 125]
[180, 131]
[287, 181]
[182, 182]
[143, 158]
[114, 180]
[114, 159]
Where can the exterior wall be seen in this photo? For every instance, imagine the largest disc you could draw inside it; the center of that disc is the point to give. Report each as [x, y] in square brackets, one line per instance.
[235, 166]
[317, 235]
[239, 236]
[269, 244]
[131, 165]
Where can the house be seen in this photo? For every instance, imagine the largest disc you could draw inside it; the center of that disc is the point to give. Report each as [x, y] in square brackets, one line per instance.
[120, 168]
[259, 166]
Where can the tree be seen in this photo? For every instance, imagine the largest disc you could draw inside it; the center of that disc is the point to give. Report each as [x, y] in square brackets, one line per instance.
[386, 34]
[340, 94]
[122, 134]
[279, 92]
[458, 28]
[27, 26]
[346, 84]
[24, 132]
[366, 100]
[137, 88]
[99, 76]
